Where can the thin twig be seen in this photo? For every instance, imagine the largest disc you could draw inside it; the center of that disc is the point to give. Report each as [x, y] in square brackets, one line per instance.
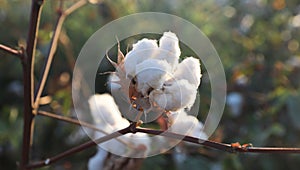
[9, 50]
[52, 49]
[211, 144]
[79, 148]
[208, 143]
[75, 7]
[70, 120]
[28, 66]
[220, 146]
[80, 123]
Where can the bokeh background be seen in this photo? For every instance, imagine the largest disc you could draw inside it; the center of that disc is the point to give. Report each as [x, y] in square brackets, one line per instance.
[258, 44]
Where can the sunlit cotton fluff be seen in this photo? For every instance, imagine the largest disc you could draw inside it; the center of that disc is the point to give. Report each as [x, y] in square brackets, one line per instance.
[189, 69]
[142, 50]
[169, 49]
[151, 73]
[180, 94]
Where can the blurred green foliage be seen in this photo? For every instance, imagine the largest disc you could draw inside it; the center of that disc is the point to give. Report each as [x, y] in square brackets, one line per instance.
[258, 43]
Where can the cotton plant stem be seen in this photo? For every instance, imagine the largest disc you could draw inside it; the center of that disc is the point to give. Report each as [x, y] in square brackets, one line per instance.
[79, 148]
[132, 128]
[77, 122]
[220, 146]
[28, 68]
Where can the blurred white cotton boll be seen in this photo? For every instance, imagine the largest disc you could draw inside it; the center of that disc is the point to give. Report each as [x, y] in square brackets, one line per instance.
[187, 125]
[142, 142]
[141, 51]
[179, 94]
[235, 102]
[182, 123]
[151, 73]
[104, 110]
[189, 69]
[169, 49]
[97, 161]
[197, 131]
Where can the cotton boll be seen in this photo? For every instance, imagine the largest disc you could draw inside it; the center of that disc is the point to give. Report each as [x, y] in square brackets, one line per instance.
[104, 110]
[235, 102]
[183, 123]
[151, 73]
[97, 161]
[141, 51]
[179, 94]
[169, 49]
[187, 125]
[189, 69]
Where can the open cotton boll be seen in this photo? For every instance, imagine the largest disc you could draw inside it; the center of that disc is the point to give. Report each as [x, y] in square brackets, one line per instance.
[141, 51]
[189, 69]
[180, 94]
[169, 49]
[151, 73]
[104, 109]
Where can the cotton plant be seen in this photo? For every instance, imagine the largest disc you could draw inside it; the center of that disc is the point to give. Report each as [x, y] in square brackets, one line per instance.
[153, 80]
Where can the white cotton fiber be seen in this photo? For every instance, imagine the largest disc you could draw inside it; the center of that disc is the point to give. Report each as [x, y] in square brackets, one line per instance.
[189, 69]
[141, 51]
[151, 73]
[179, 94]
[104, 110]
[169, 49]
[185, 124]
